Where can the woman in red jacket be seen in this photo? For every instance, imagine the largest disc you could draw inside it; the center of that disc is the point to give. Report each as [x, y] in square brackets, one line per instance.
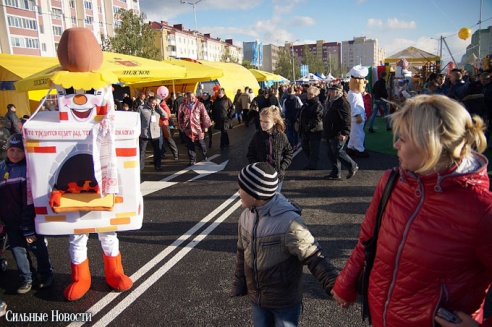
[434, 247]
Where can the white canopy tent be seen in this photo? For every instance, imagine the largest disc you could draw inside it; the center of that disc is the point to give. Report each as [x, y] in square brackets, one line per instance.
[310, 78]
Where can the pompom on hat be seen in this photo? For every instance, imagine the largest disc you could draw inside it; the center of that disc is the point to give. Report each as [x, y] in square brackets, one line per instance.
[259, 180]
[359, 72]
[15, 141]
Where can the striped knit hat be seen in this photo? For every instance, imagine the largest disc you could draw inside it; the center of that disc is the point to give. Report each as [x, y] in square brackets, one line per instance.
[258, 180]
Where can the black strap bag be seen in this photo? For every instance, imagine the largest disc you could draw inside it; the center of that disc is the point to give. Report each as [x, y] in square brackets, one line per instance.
[370, 247]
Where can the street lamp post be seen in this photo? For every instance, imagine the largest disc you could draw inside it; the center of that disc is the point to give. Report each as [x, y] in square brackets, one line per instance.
[196, 29]
[293, 61]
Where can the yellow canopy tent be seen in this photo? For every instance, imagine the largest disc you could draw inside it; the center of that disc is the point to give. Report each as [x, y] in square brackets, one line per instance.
[414, 56]
[235, 77]
[17, 67]
[115, 68]
[262, 76]
[195, 73]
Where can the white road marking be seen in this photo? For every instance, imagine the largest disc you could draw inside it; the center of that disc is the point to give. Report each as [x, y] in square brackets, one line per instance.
[101, 304]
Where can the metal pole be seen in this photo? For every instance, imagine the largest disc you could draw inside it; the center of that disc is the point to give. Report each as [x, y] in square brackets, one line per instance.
[293, 65]
[479, 29]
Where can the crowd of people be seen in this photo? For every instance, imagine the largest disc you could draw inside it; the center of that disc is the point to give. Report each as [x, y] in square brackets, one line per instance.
[431, 254]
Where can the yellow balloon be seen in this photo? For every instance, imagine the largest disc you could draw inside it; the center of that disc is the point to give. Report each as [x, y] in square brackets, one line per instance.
[464, 33]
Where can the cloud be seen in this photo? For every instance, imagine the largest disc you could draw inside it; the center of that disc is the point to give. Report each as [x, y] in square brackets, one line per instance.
[375, 22]
[395, 23]
[302, 21]
[391, 23]
[284, 6]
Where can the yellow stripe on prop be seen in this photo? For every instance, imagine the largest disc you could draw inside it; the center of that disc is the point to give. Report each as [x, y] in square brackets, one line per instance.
[32, 143]
[99, 117]
[120, 221]
[125, 214]
[106, 229]
[55, 218]
[130, 164]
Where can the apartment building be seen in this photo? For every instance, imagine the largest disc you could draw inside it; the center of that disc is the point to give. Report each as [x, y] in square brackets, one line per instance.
[34, 27]
[363, 51]
[174, 41]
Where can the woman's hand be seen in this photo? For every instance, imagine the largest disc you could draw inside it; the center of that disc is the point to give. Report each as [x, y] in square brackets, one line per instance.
[341, 302]
[466, 321]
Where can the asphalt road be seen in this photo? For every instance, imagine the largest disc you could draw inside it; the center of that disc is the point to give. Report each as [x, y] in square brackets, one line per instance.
[182, 260]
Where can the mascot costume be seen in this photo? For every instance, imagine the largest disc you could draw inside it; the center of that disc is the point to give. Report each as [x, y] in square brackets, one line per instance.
[83, 163]
[357, 85]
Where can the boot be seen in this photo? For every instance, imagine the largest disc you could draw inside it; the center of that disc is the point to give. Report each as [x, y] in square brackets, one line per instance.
[81, 281]
[115, 276]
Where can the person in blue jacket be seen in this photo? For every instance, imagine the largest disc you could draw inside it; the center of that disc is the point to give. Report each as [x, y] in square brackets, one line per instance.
[17, 214]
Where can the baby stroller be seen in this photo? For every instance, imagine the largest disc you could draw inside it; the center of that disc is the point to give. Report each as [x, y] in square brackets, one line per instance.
[3, 247]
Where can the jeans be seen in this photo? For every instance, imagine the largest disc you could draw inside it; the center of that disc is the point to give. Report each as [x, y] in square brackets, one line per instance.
[157, 152]
[287, 317]
[292, 135]
[191, 149]
[224, 137]
[170, 143]
[310, 145]
[375, 110]
[19, 248]
[337, 156]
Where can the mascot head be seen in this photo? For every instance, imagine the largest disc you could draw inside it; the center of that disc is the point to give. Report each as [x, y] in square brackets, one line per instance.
[80, 54]
[358, 79]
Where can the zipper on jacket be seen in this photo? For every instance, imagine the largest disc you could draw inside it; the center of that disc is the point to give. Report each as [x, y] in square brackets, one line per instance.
[255, 255]
[443, 290]
[421, 193]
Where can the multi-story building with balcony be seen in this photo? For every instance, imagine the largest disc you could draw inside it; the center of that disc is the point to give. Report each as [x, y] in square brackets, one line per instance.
[177, 42]
[363, 51]
[34, 27]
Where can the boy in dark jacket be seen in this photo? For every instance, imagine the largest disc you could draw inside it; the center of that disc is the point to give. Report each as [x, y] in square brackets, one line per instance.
[17, 213]
[273, 245]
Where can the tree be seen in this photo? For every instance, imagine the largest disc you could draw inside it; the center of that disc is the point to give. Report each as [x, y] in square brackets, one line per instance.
[314, 63]
[132, 36]
[247, 64]
[228, 57]
[284, 64]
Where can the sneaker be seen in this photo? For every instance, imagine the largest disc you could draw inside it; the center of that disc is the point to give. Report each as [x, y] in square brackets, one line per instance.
[192, 163]
[389, 129]
[24, 288]
[45, 282]
[3, 308]
[371, 130]
[352, 172]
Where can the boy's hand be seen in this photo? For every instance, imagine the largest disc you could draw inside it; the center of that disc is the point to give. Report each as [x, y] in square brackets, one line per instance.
[31, 238]
[358, 119]
[341, 302]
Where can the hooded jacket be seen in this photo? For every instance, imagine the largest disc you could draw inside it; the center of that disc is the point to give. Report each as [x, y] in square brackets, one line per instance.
[193, 121]
[434, 247]
[273, 245]
[16, 212]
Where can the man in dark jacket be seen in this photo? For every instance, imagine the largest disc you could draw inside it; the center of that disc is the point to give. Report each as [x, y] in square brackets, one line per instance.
[273, 245]
[380, 94]
[292, 106]
[457, 85]
[220, 112]
[16, 124]
[336, 130]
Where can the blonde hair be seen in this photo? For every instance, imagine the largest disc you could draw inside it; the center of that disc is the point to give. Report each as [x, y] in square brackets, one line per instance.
[273, 112]
[441, 128]
[314, 90]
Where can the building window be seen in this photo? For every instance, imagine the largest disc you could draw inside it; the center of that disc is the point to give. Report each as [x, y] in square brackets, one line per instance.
[26, 42]
[116, 9]
[101, 24]
[72, 4]
[74, 20]
[41, 29]
[19, 22]
[89, 20]
[43, 46]
[117, 23]
[22, 4]
[56, 13]
[57, 30]
[88, 5]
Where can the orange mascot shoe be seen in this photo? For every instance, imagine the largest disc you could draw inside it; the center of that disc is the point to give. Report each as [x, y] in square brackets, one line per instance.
[115, 276]
[81, 281]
